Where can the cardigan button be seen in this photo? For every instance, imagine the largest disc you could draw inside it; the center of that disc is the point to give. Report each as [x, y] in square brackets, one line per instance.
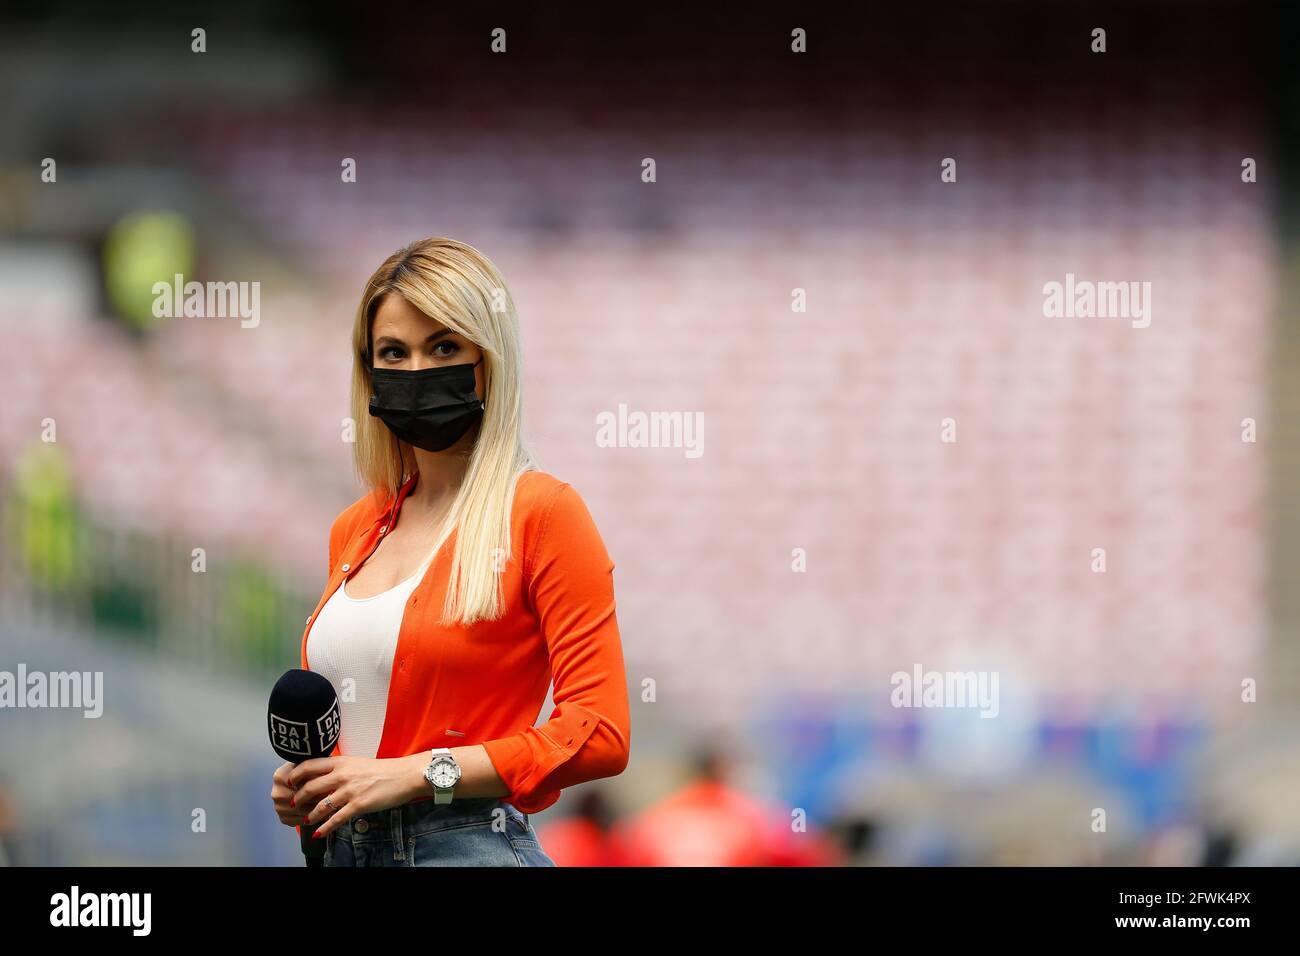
[346, 567]
[383, 529]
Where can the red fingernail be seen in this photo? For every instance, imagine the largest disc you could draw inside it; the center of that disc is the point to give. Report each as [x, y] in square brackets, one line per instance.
[293, 802]
[317, 835]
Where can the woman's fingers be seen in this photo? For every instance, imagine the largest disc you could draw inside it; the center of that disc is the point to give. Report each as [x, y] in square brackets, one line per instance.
[311, 792]
[281, 775]
[286, 811]
[283, 797]
[322, 810]
[345, 812]
[310, 769]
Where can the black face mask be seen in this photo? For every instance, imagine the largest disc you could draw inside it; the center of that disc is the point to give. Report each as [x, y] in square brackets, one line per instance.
[430, 407]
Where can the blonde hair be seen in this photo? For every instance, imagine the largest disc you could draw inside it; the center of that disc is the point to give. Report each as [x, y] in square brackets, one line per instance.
[458, 286]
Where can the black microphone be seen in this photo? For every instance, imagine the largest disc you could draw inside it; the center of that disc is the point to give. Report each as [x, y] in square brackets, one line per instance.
[303, 716]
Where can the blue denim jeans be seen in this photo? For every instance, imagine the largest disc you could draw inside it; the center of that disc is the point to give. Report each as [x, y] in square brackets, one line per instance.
[478, 831]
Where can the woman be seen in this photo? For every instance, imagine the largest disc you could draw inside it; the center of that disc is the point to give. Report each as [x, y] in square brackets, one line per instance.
[458, 589]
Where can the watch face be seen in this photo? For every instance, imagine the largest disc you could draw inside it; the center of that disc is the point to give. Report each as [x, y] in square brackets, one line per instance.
[444, 772]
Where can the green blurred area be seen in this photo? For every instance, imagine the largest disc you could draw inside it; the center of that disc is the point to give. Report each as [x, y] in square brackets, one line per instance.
[136, 588]
[45, 531]
[141, 249]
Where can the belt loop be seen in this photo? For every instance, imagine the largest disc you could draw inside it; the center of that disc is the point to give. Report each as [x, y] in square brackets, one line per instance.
[399, 844]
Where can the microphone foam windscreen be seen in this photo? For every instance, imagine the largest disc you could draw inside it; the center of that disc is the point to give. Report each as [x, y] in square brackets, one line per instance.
[303, 716]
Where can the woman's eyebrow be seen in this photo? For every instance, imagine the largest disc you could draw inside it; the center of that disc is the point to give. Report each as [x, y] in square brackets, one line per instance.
[431, 337]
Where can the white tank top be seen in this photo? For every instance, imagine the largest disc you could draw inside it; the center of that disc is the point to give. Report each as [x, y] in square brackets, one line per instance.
[356, 638]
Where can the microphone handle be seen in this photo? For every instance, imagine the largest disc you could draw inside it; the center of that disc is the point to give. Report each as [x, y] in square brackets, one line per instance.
[312, 849]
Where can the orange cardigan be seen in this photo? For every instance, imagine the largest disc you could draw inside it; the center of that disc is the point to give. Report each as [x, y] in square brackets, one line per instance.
[486, 684]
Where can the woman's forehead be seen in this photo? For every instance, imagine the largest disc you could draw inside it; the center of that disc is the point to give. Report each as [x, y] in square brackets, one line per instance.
[395, 315]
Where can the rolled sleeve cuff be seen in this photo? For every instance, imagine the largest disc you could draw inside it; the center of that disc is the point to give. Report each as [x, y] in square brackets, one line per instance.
[524, 760]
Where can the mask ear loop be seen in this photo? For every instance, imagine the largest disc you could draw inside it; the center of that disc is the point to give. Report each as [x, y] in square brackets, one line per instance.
[482, 401]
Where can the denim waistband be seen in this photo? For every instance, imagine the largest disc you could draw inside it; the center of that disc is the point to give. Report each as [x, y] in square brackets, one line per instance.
[425, 816]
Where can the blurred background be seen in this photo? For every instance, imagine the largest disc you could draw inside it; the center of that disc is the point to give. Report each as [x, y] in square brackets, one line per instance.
[826, 538]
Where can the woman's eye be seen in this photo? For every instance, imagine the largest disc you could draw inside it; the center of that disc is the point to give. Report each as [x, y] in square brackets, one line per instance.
[390, 352]
[452, 348]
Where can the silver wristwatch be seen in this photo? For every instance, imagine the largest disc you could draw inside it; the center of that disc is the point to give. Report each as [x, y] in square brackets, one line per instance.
[443, 773]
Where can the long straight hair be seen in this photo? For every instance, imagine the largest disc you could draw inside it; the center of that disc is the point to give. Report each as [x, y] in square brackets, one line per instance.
[458, 286]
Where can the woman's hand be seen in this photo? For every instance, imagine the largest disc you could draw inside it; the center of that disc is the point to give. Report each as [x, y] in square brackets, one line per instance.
[282, 795]
[354, 785]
